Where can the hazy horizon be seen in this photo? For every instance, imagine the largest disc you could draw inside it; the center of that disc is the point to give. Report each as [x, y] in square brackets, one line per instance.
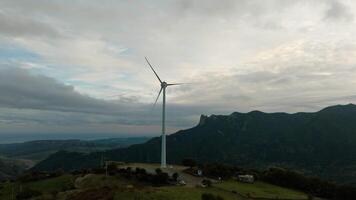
[26, 137]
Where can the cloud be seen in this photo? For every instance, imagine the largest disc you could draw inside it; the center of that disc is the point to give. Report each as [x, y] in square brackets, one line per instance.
[297, 76]
[338, 11]
[85, 60]
[22, 90]
[29, 99]
[22, 26]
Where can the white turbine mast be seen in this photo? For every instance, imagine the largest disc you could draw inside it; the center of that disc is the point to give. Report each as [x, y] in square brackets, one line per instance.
[164, 85]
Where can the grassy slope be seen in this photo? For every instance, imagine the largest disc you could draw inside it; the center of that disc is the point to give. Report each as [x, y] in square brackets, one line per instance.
[174, 193]
[120, 191]
[47, 186]
[6, 190]
[57, 184]
[260, 189]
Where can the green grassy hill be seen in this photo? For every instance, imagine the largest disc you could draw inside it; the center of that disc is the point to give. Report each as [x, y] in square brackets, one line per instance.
[90, 186]
[260, 190]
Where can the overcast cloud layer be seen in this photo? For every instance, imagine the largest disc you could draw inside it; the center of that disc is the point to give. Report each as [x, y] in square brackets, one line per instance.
[78, 66]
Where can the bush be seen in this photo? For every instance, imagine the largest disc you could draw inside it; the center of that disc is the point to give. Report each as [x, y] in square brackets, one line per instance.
[111, 168]
[206, 182]
[217, 170]
[28, 193]
[158, 171]
[34, 176]
[161, 179]
[58, 172]
[207, 196]
[219, 197]
[175, 176]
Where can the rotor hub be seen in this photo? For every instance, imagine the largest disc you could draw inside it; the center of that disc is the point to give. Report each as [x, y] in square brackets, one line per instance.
[164, 84]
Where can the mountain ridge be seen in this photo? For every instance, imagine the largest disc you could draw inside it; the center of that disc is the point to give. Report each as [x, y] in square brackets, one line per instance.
[322, 143]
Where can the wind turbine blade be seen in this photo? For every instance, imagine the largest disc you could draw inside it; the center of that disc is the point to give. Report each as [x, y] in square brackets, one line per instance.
[153, 70]
[159, 93]
[176, 84]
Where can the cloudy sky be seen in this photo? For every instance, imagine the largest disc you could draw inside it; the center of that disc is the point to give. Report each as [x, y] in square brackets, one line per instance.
[78, 66]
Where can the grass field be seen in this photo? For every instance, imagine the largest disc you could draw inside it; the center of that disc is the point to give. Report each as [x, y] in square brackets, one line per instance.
[260, 190]
[6, 190]
[57, 184]
[86, 187]
[174, 193]
[47, 186]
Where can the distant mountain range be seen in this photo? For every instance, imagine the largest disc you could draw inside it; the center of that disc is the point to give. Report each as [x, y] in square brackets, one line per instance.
[321, 143]
[17, 157]
[40, 149]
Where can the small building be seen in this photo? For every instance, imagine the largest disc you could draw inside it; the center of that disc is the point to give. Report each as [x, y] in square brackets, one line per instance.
[246, 178]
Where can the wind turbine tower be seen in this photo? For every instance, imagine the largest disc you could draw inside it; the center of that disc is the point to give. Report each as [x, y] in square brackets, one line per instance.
[163, 85]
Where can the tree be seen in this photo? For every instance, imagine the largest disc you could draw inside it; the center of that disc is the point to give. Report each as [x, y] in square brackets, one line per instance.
[158, 171]
[175, 176]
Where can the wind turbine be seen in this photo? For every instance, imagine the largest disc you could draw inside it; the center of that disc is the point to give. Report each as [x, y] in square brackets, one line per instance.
[164, 85]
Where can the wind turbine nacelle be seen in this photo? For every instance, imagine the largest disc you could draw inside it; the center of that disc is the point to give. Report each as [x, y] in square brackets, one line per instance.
[164, 84]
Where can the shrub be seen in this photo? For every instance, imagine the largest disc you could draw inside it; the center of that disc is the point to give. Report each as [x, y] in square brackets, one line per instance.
[158, 171]
[219, 197]
[160, 179]
[206, 182]
[140, 171]
[58, 172]
[28, 193]
[112, 168]
[34, 176]
[207, 196]
[219, 170]
[175, 176]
